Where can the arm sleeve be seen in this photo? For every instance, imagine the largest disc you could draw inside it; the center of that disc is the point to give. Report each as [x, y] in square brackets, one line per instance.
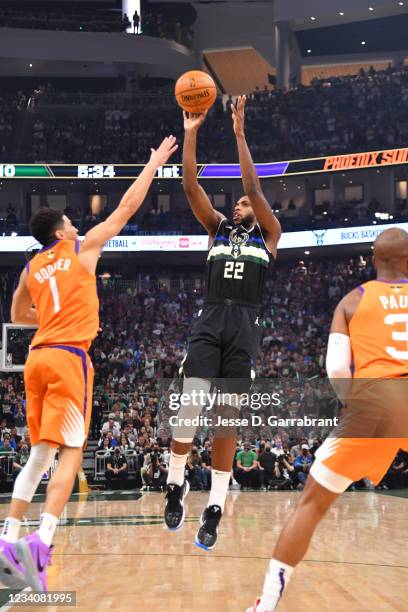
[338, 364]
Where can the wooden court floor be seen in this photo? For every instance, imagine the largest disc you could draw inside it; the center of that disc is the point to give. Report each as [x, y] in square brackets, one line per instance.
[114, 552]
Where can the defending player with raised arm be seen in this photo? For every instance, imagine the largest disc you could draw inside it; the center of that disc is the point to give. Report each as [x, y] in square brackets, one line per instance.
[224, 341]
[51, 225]
[60, 282]
[367, 363]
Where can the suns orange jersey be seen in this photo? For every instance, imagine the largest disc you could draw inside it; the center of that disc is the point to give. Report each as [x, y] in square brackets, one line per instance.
[64, 295]
[379, 330]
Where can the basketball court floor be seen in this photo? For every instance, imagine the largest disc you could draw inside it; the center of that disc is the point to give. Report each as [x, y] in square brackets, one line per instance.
[113, 550]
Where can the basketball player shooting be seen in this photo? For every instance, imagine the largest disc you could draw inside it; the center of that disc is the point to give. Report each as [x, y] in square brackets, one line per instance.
[60, 281]
[369, 329]
[224, 340]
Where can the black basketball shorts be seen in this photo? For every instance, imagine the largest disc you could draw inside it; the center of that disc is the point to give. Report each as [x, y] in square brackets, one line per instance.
[224, 343]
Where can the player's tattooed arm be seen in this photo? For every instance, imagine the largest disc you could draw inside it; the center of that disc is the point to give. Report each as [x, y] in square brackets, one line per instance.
[22, 311]
[199, 202]
[250, 180]
[128, 206]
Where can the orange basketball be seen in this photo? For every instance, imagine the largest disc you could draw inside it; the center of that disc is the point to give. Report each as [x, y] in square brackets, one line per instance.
[195, 91]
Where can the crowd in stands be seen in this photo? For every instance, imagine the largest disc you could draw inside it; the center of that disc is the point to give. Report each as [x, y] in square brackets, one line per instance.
[177, 220]
[14, 437]
[145, 324]
[10, 105]
[152, 22]
[364, 112]
[53, 19]
[158, 25]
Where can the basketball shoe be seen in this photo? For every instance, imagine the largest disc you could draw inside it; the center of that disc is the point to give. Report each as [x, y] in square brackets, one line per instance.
[255, 608]
[11, 569]
[34, 556]
[207, 534]
[174, 511]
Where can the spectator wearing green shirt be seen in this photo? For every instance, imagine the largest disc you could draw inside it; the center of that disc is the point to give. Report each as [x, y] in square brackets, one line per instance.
[247, 473]
[20, 460]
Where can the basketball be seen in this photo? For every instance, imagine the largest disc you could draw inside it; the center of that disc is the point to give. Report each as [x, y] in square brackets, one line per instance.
[195, 91]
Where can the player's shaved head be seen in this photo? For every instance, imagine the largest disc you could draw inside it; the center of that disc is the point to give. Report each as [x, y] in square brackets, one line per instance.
[391, 244]
[391, 251]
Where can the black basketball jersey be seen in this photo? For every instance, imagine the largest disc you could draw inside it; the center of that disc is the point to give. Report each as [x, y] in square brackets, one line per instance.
[237, 264]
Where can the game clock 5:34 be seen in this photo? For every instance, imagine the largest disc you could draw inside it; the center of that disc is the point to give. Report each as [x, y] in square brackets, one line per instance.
[97, 171]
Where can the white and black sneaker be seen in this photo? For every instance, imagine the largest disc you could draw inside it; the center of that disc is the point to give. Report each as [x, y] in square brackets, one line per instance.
[174, 511]
[207, 534]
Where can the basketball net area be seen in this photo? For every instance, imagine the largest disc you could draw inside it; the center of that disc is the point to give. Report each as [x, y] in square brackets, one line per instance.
[15, 348]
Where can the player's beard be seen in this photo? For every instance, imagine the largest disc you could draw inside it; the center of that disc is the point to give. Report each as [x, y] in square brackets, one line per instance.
[248, 221]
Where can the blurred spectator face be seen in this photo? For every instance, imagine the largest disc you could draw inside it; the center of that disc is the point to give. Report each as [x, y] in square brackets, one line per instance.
[6, 444]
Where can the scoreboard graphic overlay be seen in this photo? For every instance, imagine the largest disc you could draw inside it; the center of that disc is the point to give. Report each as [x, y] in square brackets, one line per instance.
[333, 163]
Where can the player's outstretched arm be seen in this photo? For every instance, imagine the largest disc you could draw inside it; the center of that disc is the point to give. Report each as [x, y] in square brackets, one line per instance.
[128, 206]
[200, 204]
[22, 311]
[250, 180]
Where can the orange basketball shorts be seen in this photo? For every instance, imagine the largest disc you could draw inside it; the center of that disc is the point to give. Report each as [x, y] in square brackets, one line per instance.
[341, 461]
[372, 429]
[59, 382]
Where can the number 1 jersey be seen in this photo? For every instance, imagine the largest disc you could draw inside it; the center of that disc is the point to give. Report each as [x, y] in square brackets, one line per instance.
[237, 264]
[64, 295]
[379, 330]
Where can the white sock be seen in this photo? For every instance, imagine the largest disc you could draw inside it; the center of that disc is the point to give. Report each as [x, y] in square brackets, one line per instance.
[276, 580]
[176, 469]
[11, 528]
[219, 488]
[48, 524]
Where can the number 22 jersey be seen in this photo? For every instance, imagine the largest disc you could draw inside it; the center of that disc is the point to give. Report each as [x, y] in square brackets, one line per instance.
[237, 264]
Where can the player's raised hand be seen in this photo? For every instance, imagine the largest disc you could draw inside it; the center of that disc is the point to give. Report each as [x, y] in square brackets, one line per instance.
[238, 115]
[193, 121]
[160, 156]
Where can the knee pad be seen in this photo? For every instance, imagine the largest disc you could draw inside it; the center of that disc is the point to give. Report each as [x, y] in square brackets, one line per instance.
[197, 389]
[40, 460]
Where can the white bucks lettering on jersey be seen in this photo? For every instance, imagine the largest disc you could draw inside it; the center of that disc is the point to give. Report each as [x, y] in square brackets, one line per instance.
[237, 263]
